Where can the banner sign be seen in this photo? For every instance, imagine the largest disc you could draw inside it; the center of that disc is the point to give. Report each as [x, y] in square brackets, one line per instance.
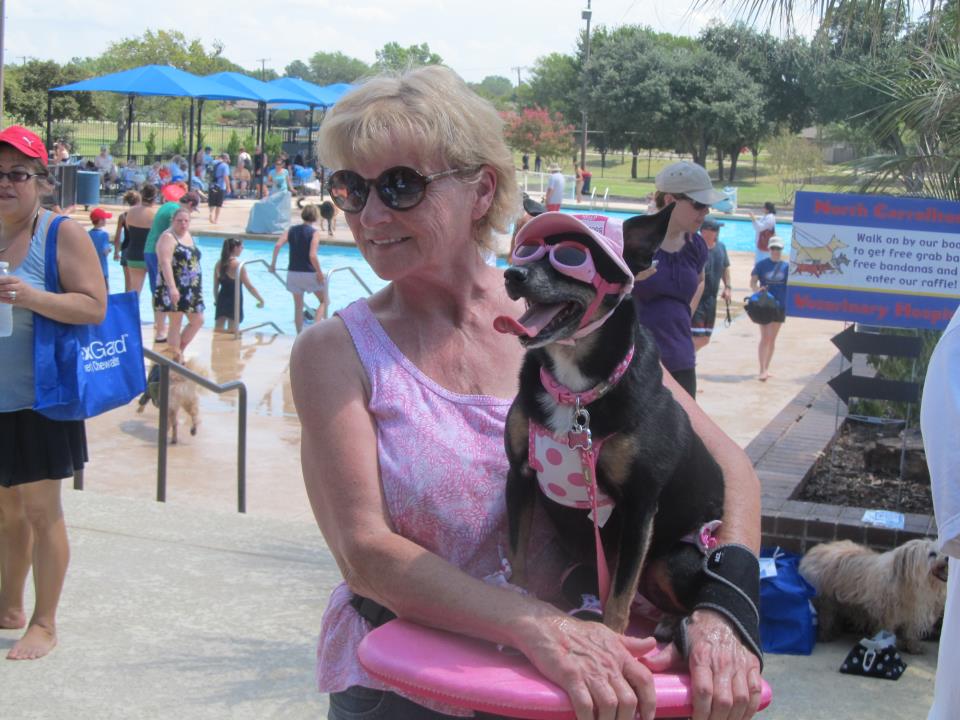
[873, 259]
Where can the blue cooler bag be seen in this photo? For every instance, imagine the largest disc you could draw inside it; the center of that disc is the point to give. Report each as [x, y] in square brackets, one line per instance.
[787, 622]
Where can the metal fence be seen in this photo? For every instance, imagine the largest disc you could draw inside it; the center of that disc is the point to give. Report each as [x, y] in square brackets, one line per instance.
[87, 137]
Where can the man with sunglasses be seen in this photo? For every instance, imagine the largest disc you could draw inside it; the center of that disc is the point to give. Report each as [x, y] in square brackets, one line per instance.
[667, 298]
[716, 269]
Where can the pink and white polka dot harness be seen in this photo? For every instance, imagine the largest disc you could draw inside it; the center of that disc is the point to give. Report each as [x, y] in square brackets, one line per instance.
[560, 473]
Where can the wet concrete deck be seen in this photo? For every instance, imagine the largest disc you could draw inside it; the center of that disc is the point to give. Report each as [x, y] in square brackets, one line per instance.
[188, 609]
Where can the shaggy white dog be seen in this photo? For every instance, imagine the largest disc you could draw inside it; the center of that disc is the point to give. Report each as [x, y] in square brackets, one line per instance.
[903, 590]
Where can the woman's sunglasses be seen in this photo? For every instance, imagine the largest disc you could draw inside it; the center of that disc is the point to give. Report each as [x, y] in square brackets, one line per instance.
[399, 188]
[18, 176]
[698, 206]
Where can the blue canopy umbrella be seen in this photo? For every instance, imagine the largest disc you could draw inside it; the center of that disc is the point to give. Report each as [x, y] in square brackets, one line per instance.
[154, 80]
[317, 97]
[263, 93]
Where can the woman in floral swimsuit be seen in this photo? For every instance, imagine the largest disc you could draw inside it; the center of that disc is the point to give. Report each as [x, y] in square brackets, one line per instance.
[179, 282]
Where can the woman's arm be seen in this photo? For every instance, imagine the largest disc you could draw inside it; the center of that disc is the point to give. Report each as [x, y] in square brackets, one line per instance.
[216, 278]
[754, 282]
[165, 246]
[725, 675]
[698, 293]
[116, 235]
[314, 260]
[340, 468]
[84, 296]
[245, 279]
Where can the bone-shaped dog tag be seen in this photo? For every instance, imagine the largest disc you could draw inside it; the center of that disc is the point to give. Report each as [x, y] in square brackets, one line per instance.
[579, 438]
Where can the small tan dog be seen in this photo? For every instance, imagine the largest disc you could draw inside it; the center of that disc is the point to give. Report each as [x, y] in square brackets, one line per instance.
[902, 590]
[183, 396]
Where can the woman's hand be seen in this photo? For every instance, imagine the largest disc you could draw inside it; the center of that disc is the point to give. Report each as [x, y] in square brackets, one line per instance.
[724, 674]
[14, 291]
[597, 668]
[174, 294]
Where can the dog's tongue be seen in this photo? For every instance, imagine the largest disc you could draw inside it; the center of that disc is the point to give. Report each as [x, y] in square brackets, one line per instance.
[530, 323]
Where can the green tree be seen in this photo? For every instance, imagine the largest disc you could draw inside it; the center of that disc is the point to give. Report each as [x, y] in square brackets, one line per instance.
[329, 68]
[554, 83]
[25, 93]
[298, 69]
[626, 92]
[538, 131]
[396, 58]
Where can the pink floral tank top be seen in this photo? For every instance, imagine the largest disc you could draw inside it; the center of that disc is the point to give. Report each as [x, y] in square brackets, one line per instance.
[443, 472]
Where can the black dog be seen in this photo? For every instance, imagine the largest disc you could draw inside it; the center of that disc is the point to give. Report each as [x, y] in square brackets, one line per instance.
[663, 483]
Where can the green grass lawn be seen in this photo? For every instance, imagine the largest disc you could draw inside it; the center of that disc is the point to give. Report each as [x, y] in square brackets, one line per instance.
[753, 191]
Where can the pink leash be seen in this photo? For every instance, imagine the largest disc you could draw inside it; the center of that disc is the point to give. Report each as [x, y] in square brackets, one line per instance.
[579, 437]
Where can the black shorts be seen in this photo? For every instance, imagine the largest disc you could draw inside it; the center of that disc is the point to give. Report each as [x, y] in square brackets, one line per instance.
[703, 320]
[33, 447]
[215, 196]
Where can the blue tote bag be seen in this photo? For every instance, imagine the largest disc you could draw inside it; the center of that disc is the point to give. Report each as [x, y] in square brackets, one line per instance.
[787, 622]
[83, 370]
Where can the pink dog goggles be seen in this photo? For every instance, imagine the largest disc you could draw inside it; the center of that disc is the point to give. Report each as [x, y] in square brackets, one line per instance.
[569, 257]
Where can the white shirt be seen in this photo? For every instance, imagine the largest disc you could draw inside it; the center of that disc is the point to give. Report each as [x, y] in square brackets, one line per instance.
[940, 424]
[555, 188]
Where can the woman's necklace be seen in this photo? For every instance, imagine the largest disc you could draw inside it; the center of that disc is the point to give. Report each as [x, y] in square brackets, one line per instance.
[33, 229]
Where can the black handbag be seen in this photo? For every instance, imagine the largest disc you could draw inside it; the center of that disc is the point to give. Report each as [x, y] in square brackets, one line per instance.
[763, 308]
[875, 657]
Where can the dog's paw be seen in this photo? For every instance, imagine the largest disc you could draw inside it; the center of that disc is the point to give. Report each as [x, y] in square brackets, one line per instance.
[911, 646]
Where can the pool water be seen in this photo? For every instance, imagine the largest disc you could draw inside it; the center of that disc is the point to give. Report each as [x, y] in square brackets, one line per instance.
[278, 308]
[735, 234]
[344, 289]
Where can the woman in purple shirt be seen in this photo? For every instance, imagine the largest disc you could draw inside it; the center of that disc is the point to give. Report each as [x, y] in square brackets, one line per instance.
[667, 298]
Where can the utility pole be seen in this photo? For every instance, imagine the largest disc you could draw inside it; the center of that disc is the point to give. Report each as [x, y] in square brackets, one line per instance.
[518, 68]
[586, 15]
[263, 68]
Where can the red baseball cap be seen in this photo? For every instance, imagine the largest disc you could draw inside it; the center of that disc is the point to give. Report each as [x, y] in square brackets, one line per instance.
[26, 141]
[98, 214]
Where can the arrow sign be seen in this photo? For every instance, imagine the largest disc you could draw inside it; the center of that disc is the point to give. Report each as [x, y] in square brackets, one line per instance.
[848, 385]
[850, 342]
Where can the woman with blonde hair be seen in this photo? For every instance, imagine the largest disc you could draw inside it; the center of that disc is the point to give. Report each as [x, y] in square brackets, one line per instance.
[403, 397]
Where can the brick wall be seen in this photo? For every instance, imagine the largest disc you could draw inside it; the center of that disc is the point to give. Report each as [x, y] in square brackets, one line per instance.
[783, 455]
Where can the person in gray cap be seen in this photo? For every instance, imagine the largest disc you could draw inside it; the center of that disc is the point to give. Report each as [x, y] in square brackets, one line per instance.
[716, 270]
[666, 299]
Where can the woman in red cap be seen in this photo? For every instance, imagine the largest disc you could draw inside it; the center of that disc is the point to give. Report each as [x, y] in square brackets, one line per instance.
[36, 453]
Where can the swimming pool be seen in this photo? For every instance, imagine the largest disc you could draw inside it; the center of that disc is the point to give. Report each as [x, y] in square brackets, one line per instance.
[344, 289]
[735, 234]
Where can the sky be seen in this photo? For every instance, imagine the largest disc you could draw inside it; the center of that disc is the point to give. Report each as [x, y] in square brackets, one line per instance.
[476, 38]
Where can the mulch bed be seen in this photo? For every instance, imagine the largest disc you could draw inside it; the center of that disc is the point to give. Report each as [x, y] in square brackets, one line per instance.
[842, 476]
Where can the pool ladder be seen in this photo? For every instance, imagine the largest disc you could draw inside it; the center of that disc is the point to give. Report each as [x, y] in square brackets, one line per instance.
[237, 290]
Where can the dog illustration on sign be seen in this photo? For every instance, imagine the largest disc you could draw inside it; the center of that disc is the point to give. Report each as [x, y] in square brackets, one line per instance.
[816, 260]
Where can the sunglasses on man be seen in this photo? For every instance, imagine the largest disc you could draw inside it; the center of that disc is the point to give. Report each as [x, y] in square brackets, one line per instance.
[399, 188]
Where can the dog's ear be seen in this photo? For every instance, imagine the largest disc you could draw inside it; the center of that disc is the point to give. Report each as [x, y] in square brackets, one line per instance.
[642, 236]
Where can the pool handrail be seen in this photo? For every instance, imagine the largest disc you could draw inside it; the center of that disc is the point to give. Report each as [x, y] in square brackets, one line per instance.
[166, 365]
[237, 290]
[237, 330]
[352, 271]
